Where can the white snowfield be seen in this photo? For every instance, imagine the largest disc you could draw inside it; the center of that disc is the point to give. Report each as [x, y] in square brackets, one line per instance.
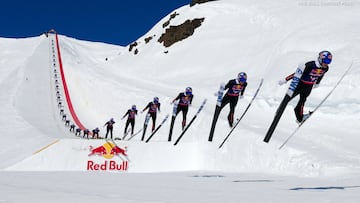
[265, 39]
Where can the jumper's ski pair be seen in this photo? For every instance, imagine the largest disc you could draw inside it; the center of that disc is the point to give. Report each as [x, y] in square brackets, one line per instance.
[173, 120]
[147, 118]
[191, 121]
[219, 98]
[185, 129]
[239, 119]
[133, 135]
[126, 133]
[287, 99]
[218, 109]
[157, 128]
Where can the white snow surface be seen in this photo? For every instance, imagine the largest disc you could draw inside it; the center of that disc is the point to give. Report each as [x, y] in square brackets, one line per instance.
[42, 161]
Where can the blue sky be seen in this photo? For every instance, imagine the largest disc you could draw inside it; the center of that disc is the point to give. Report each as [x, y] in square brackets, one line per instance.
[112, 21]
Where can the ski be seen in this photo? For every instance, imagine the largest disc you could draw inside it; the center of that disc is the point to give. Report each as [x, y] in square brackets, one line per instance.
[277, 117]
[295, 81]
[296, 129]
[133, 135]
[157, 128]
[317, 107]
[219, 94]
[125, 134]
[192, 120]
[247, 108]
[173, 120]
[147, 118]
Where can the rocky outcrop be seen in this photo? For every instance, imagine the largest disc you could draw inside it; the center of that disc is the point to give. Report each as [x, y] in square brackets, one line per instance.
[177, 33]
[132, 45]
[172, 16]
[147, 39]
[193, 2]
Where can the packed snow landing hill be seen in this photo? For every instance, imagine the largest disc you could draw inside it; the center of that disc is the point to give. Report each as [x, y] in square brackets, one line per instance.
[46, 77]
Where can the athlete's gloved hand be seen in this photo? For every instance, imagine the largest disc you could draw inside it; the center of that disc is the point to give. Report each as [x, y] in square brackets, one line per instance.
[316, 86]
[241, 96]
[283, 81]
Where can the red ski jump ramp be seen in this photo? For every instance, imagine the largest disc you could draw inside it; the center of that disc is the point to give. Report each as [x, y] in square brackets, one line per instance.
[66, 91]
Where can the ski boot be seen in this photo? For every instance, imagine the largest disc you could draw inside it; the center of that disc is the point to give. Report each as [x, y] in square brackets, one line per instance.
[305, 117]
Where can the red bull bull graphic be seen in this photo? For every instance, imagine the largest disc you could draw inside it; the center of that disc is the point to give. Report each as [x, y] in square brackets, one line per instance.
[108, 151]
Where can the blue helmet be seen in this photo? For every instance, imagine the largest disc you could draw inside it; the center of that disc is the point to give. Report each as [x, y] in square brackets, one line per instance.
[133, 107]
[188, 91]
[325, 57]
[242, 77]
[156, 100]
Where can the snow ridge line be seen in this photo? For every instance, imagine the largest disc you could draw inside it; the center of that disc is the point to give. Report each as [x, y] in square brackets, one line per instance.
[68, 100]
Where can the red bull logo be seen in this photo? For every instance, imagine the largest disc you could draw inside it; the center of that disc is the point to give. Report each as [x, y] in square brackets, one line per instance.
[108, 151]
[317, 72]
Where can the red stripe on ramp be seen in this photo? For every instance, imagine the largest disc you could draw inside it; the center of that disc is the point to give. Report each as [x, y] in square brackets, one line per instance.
[68, 100]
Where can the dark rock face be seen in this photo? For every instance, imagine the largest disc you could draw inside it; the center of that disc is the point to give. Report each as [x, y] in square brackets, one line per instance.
[193, 2]
[173, 34]
[132, 45]
[147, 40]
[177, 33]
[172, 16]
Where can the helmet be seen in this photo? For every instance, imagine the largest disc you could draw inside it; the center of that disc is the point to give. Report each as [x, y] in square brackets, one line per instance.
[188, 91]
[133, 107]
[156, 100]
[111, 119]
[242, 77]
[325, 57]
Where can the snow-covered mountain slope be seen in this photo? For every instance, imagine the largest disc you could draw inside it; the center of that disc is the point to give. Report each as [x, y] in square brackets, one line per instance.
[266, 40]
